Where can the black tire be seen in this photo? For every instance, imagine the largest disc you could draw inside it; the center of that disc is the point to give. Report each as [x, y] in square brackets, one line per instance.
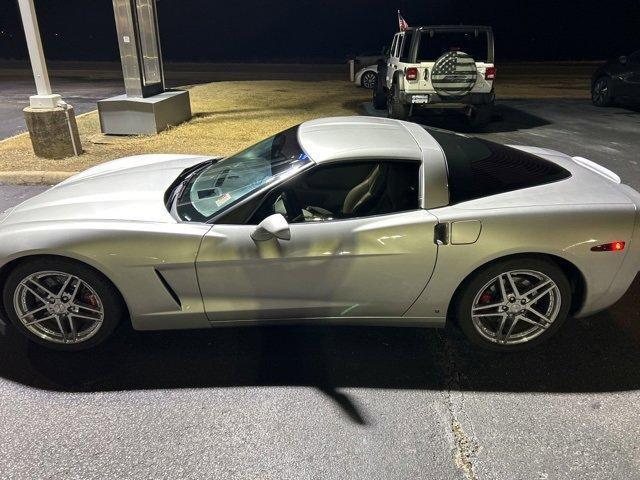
[368, 80]
[379, 94]
[479, 280]
[108, 297]
[601, 92]
[480, 116]
[396, 108]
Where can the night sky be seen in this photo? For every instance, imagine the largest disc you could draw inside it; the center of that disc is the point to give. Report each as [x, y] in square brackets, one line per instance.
[329, 30]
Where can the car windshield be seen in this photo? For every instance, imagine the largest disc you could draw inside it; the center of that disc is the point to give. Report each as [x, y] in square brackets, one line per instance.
[215, 188]
[434, 44]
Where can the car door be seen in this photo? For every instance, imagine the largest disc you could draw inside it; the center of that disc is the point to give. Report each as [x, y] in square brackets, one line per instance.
[369, 266]
[392, 64]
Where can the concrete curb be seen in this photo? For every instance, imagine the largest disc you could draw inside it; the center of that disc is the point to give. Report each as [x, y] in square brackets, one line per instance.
[34, 178]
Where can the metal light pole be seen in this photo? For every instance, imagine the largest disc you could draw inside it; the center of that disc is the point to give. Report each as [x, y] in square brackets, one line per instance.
[44, 98]
[51, 122]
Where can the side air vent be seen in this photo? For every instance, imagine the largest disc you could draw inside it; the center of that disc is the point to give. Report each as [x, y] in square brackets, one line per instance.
[441, 234]
[170, 290]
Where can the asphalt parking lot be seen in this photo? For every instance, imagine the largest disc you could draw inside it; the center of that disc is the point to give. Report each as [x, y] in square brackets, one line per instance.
[81, 93]
[342, 402]
[82, 84]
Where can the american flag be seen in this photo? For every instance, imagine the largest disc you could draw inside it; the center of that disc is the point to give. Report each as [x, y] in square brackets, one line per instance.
[454, 74]
[402, 22]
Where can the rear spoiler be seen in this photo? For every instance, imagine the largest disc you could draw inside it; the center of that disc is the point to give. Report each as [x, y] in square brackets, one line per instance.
[599, 169]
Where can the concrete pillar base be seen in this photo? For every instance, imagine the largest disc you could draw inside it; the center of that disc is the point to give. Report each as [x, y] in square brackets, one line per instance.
[124, 115]
[53, 131]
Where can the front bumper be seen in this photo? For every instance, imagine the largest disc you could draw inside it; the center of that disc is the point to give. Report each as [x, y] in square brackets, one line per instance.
[436, 101]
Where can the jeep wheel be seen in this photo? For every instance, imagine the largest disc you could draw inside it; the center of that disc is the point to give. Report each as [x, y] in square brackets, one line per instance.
[379, 95]
[480, 115]
[396, 108]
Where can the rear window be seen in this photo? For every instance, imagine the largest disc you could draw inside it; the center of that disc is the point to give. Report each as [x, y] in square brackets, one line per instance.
[406, 47]
[479, 168]
[434, 44]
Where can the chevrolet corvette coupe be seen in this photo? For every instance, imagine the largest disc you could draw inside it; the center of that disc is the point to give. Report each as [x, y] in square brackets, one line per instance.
[352, 220]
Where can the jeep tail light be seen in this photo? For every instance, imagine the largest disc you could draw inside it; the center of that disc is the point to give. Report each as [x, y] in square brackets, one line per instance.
[609, 247]
[412, 73]
[490, 73]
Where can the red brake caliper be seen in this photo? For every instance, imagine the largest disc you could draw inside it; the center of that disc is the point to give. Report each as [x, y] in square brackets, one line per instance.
[485, 298]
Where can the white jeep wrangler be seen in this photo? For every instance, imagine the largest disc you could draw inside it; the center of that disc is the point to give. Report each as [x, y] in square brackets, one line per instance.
[439, 67]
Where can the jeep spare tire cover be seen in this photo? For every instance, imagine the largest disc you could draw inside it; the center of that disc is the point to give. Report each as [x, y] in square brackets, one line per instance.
[454, 74]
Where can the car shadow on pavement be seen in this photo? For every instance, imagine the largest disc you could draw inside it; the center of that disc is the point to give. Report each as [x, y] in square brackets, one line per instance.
[505, 119]
[599, 354]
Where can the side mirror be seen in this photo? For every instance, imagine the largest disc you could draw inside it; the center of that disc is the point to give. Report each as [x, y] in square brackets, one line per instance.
[623, 59]
[272, 226]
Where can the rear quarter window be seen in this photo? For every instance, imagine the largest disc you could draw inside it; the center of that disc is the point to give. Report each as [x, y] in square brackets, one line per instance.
[478, 168]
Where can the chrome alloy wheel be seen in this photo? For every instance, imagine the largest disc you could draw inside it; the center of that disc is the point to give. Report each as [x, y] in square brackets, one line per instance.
[516, 307]
[600, 92]
[58, 307]
[369, 79]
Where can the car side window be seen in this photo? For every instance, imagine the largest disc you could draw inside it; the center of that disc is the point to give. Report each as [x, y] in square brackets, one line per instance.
[392, 49]
[396, 45]
[396, 53]
[343, 191]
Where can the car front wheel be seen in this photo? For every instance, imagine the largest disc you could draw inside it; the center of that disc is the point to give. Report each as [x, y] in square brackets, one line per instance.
[369, 79]
[515, 304]
[601, 93]
[61, 304]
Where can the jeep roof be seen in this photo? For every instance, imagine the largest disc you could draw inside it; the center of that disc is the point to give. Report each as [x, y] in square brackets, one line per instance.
[450, 28]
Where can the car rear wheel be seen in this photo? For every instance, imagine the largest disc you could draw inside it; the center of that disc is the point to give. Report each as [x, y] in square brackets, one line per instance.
[396, 108]
[514, 305]
[601, 93]
[368, 79]
[60, 304]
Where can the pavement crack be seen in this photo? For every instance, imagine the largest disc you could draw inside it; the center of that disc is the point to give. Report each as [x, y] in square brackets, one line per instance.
[466, 450]
[466, 447]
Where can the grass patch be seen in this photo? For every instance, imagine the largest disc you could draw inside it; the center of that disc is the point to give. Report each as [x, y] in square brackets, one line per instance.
[227, 117]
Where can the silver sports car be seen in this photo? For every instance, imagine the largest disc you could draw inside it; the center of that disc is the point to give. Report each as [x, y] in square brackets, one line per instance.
[352, 220]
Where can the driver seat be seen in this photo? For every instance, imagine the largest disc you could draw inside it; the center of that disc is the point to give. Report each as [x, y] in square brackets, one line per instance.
[364, 196]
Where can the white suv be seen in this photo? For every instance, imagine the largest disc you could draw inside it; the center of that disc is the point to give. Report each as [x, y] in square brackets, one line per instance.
[439, 67]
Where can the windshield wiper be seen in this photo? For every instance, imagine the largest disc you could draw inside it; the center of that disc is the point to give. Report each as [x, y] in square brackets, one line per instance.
[179, 184]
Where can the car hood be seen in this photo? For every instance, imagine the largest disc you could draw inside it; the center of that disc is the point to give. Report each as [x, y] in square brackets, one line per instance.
[130, 188]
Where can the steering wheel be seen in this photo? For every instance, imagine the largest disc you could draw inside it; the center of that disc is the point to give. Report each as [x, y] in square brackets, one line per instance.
[291, 205]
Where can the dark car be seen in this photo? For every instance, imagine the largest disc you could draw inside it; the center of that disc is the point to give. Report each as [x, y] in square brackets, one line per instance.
[617, 81]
